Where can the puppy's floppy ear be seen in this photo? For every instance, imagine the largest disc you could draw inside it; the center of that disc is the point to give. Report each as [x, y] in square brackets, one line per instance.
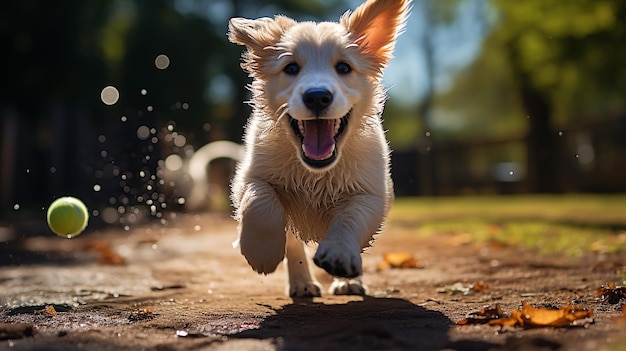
[374, 26]
[257, 35]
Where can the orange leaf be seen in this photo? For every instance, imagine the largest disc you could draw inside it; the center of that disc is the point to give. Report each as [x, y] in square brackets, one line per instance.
[398, 260]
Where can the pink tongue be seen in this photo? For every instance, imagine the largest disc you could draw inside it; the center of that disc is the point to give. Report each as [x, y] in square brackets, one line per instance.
[318, 138]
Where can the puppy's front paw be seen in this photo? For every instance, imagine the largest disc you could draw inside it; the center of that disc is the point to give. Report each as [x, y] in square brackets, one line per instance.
[263, 257]
[338, 260]
[305, 289]
[344, 286]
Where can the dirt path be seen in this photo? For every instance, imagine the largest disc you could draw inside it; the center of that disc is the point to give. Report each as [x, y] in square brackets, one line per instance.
[183, 287]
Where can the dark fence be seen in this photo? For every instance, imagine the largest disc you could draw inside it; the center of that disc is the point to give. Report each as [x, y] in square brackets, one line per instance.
[586, 158]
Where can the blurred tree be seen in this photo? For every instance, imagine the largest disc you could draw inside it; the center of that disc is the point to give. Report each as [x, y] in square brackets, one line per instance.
[437, 36]
[49, 50]
[564, 57]
[563, 60]
[51, 61]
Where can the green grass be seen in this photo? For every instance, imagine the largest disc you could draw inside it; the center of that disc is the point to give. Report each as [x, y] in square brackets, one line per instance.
[573, 224]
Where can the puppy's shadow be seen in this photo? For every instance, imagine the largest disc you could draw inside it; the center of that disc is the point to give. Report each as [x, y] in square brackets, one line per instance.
[371, 324]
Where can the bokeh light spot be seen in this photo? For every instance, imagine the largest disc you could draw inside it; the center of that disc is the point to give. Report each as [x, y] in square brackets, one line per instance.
[173, 162]
[162, 61]
[143, 132]
[110, 95]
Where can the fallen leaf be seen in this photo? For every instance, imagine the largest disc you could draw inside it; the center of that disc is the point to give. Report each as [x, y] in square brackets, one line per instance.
[142, 314]
[489, 312]
[532, 317]
[398, 260]
[106, 253]
[49, 310]
[611, 294]
[483, 316]
[480, 287]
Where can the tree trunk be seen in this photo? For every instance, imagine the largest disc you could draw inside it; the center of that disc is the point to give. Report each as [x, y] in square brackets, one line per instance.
[540, 140]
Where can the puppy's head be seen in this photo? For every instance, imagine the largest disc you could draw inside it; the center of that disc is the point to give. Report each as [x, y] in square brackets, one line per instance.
[320, 80]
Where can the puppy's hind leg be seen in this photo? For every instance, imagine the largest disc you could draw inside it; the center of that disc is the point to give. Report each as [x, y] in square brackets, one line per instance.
[301, 282]
[347, 286]
[261, 228]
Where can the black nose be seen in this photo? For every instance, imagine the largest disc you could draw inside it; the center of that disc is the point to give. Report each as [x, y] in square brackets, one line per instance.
[317, 100]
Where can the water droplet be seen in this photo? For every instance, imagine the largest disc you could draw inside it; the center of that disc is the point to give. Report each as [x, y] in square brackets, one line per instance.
[427, 134]
[185, 106]
[149, 108]
[181, 200]
[110, 215]
[197, 227]
[16, 207]
[173, 162]
[144, 92]
[143, 132]
[180, 140]
[109, 95]
[53, 169]
[97, 187]
[123, 118]
[561, 133]
[511, 173]
[162, 61]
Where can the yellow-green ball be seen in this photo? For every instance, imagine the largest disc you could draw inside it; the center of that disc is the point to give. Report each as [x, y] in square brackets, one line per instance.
[67, 217]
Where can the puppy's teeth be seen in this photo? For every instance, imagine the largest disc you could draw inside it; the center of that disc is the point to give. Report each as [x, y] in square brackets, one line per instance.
[337, 125]
[301, 127]
[332, 152]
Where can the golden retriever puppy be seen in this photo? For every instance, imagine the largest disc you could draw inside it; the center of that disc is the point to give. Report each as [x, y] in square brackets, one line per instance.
[316, 166]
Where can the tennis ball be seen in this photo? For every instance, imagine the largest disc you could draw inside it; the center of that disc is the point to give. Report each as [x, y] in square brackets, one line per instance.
[67, 217]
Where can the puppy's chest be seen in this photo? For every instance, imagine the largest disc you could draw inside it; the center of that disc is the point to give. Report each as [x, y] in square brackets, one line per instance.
[318, 198]
[309, 213]
[315, 203]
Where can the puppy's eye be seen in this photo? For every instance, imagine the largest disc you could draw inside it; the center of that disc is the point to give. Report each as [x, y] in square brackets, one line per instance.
[343, 68]
[292, 69]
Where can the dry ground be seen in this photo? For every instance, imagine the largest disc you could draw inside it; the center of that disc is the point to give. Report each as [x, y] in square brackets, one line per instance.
[183, 287]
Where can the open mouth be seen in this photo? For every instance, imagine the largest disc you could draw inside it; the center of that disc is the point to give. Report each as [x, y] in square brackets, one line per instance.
[319, 138]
